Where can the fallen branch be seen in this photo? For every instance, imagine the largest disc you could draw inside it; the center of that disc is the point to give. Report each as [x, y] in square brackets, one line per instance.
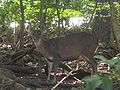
[62, 80]
[18, 69]
[19, 55]
[28, 82]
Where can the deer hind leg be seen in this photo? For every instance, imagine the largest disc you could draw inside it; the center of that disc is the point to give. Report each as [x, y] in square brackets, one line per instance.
[78, 63]
[92, 62]
[94, 67]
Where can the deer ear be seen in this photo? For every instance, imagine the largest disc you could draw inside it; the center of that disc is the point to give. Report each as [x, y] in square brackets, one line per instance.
[44, 32]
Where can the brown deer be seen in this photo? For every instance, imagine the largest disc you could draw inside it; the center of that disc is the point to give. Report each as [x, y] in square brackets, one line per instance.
[68, 47]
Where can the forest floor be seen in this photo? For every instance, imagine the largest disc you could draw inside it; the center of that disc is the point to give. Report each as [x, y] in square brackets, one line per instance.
[19, 71]
[22, 81]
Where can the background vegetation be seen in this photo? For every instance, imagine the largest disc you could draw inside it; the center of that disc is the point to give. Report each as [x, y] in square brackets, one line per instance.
[101, 18]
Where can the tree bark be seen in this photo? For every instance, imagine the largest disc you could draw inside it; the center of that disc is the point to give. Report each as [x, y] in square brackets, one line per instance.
[41, 15]
[58, 14]
[22, 26]
[15, 35]
[115, 25]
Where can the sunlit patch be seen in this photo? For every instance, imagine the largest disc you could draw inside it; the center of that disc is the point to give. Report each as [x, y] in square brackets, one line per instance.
[13, 24]
[76, 21]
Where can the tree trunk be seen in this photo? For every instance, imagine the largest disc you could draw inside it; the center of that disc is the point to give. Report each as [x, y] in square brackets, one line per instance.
[41, 27]
[67, 21]
[15, 35]
[115, 25]
[58, 14]
[41, 15]
[22, 26]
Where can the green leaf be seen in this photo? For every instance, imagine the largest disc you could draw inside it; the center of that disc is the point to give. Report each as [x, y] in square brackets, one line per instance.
[92, 82]
[100, 57]
[113, 61]
[107, 83]
[110, 62]
[39, 89]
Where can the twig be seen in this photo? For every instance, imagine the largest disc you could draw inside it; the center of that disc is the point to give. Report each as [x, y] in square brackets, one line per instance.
[62, 79]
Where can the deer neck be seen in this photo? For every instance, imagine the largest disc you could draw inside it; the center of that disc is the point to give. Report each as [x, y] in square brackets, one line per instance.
[40, 44]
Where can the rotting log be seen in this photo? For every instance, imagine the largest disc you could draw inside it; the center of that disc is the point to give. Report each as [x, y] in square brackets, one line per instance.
[18, 69]
[14, 58]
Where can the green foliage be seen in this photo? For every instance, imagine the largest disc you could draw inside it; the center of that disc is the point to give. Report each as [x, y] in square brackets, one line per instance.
[70, 12]
[107, 82]
[92, 82]
[39, 89]
[96, 80]
[106, 6]
[103, 6]
[10, 11]
[114, 62]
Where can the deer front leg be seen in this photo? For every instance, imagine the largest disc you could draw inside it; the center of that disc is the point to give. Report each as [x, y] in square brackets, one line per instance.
[56, 65]
[50, 66]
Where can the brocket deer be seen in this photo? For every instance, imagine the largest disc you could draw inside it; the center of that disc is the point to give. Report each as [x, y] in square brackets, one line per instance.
[69, 47]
